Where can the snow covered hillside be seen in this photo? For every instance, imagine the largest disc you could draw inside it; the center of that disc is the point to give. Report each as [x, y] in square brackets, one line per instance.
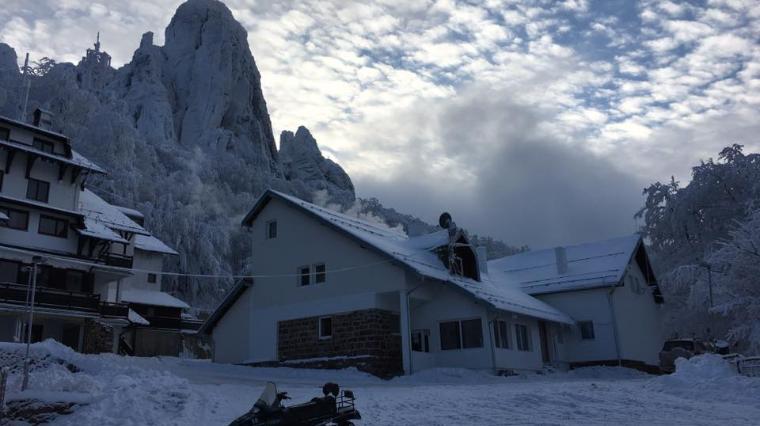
[112, 390]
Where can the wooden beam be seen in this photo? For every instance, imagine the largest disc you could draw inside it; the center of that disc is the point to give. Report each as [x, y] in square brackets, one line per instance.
[30, 159]
[9, 160]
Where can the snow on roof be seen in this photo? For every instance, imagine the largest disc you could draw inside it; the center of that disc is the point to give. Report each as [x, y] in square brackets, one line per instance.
[40, 205]
[589, 265]
[135, 318]
[95, 229]
[152, 297]
[130, 212]
[153, 244]
[75, 160]
[99, 210]
[3, 216]
[415, 253]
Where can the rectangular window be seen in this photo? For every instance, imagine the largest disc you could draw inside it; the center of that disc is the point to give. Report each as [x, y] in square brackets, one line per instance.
[421, 340]
[472, 334]
[325, 327]
[587, 329]
[37, 190]
[320, 273]
[523, 338]
[450, 336]
[501, 334]
[152, 278]
[9, 271]
[2, 176]
[53, 227]
[74, 281]
[44, 146]
[271, 229]
[5, 134]
[17, 219]
[304, 275]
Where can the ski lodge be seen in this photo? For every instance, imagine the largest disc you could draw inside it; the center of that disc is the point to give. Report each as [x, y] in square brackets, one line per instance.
[335, 291]
[74, 256]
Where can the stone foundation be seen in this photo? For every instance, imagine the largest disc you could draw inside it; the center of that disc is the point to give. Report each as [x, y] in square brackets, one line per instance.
[98, 337]
[368, 340]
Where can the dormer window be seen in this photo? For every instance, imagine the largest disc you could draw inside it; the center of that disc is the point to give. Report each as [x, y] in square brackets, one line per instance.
[44, 146]
[38, 190]
[271, 229]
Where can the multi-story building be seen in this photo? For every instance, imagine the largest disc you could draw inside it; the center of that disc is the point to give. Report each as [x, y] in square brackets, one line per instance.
[84, 250]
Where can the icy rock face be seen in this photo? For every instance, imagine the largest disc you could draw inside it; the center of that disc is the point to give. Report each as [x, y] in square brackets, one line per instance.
[305, 166]
[10, 82]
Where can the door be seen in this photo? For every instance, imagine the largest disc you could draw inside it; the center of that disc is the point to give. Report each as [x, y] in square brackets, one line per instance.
[544, 342]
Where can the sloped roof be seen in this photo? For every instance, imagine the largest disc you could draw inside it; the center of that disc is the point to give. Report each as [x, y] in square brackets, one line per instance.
[151, 297]
[589, 265]
[95, 229]
[76, 158]
[97, 209]
[153, 244]
[414, 253]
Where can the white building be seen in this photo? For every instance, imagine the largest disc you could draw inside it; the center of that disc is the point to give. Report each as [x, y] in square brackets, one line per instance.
[86, 246]
[336, 291]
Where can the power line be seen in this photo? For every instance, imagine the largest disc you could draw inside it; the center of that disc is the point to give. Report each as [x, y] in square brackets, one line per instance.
[180, 274]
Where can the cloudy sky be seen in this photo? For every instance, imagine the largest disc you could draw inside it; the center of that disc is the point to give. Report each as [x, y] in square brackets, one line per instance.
[538, 122]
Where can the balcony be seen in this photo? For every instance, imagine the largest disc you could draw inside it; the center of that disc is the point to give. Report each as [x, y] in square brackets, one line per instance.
[118, 260]
[173, 323]
[108, 309]
[50, 298]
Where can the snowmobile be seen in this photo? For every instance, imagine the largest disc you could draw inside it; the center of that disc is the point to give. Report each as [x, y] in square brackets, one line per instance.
[334, 408]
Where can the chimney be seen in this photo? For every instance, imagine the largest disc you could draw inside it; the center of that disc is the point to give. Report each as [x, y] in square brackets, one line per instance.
[560, 255]
[482, 260]
[43, 119]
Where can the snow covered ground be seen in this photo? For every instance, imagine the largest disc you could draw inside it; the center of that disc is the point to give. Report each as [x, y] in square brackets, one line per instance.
[166, 391]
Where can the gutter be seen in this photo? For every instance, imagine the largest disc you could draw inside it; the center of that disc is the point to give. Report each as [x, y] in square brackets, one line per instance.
[611, 303]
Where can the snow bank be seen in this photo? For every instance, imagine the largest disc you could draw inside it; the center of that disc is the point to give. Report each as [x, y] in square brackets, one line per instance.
[708, 377]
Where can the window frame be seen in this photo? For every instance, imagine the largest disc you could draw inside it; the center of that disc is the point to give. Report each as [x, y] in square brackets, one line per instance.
[582, 330]
[65, 229]
[37, 182]
[320, 328]
[318, 274]
[460, 333]
[501, 334]
[458, 345]
[2, 179]
[6, 224]
[528, 347]
[43, 145]
[422, 336]
[152, 278]
[304, 271]
[268, 228]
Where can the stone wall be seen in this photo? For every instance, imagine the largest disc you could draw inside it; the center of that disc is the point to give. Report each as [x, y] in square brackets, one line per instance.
[98, 337]
[368, 340]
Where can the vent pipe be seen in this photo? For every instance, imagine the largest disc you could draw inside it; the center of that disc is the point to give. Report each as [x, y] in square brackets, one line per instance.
[560, 255]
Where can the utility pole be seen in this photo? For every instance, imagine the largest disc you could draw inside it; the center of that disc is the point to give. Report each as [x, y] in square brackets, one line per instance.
[35, 261]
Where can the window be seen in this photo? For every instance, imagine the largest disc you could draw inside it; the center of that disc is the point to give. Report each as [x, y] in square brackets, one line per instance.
[44, 146]
[320, 273]
[304, 275]
[37, 190]
[587, 329]
[461, 334]
[9, 271]
[472, 334]
[53, 227]
[271, 229]
[421, 340]
[17, 219]
[523, 338]
[450, 336]
[2, 175]
[74, 281]
[395, 324]
[151, 278]
[325, 327]
[501, 334]
[5, 134]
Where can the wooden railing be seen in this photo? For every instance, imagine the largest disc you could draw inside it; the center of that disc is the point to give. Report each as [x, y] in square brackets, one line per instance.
[47, 297]
[108, 309]
[118, 260]
[173, 323]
